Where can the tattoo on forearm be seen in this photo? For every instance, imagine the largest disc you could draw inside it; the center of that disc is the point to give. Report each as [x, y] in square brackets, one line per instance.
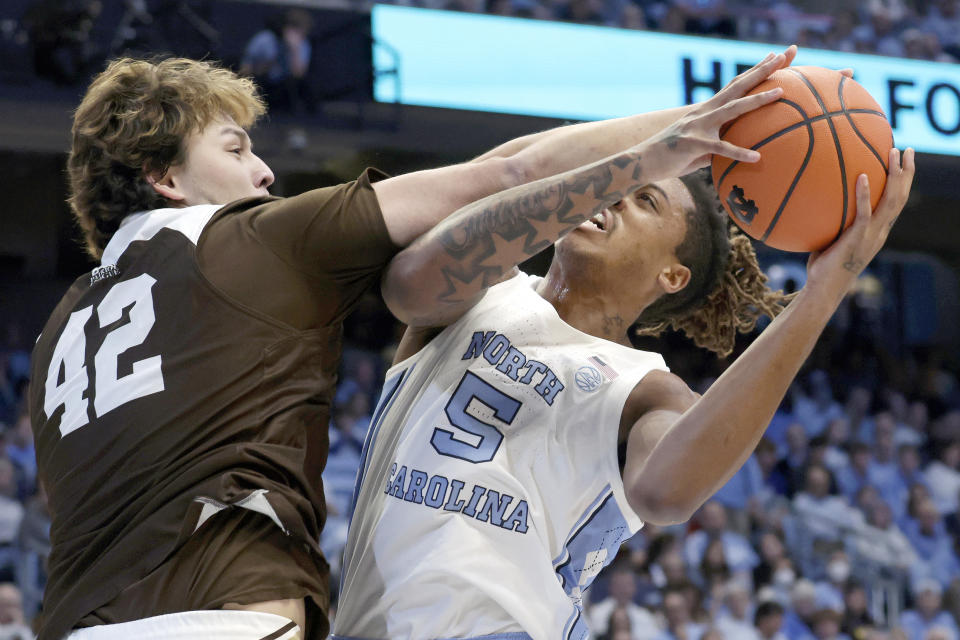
[484, 239]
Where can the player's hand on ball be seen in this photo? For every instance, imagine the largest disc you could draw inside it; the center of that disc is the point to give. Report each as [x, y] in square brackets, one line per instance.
[839, 264]
[689, 143]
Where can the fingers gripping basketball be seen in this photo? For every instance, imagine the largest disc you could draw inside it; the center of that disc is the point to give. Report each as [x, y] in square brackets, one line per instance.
[815, 140]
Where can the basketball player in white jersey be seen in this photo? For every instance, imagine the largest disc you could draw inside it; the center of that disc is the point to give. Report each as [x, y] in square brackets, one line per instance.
[489, 494]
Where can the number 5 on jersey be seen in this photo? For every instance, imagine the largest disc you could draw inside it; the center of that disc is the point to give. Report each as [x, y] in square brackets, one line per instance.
[473, 387]
[111, 391]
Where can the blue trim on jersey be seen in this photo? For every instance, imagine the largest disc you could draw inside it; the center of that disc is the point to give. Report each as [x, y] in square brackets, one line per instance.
[587, 513]
[517, 635]
[576, 625]
[601, 528]
[387, 397]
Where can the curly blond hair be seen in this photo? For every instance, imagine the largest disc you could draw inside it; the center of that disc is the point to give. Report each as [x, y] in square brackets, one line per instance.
[134, 121]
[727, 292]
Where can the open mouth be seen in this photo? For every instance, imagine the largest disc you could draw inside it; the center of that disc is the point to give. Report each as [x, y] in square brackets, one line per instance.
[601, 221]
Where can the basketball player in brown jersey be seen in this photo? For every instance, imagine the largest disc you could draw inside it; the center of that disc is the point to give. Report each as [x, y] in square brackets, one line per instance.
[182, 388]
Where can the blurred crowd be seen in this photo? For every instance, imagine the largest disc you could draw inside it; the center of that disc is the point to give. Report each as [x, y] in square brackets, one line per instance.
[24, 518]
[922, 29]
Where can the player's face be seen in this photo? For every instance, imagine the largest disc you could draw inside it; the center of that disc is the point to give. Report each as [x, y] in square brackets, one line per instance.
[220, 167]
[635, 240]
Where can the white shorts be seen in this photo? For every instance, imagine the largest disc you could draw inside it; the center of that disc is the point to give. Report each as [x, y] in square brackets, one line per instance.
[196, 625]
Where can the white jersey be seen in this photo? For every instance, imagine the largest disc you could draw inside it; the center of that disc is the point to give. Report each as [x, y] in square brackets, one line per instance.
[489, 493]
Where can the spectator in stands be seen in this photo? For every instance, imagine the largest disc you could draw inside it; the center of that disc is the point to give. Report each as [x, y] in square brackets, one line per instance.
[824, 516]
[11, 513]
[882, 543]
[826, 625]
[740, 556]
[867, 499]
[854, 477]
[677, 613]
[735, 621]
[708, 17]
[278, 58]
[943, 476]
[623, 588]
[840, 37]
[791, 466]
[670, 570]
[581, 11]
[817, 451]
[830, 590]
[618, 626]
[838, 433]
[358, 373]
[60, 36]
[952, 523]
[926, 530]
[346, 444]
[798, 619]
[743, 494]
[701, 603]
[917, 421]
[927, 613]
[767, 459]
[499, 8]
[713, 571]
[943, 20]
[21, 452]
[12, 623]
[9, 397]
[908, 474]
[632, 16]
[898, 10]
[768, 620]
[857, 409]
[882, 470]
[940, 633]
[772, 553]
[928, 535]
[33, 550]
[674, 20]
[917, 493]
[856, 622]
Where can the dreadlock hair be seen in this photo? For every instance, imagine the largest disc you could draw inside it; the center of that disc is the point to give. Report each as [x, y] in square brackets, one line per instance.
[134, 121]
[727, 290]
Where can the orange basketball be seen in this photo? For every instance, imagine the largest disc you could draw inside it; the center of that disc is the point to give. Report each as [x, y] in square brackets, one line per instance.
[814, 141]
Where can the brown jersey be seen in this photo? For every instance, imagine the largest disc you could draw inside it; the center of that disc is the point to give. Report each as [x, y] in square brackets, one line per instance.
[180, 406]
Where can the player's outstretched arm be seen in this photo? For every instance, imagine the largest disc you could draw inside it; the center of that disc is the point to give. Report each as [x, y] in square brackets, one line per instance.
[415, 202]
[436, 278]
[677, 458]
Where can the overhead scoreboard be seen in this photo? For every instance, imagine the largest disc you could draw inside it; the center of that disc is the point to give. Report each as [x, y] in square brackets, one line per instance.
[579, 72]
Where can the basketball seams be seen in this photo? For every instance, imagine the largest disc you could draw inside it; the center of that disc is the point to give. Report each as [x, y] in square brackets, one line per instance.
[805, 120]
[793, 127]
[836, 142]
[796, 178]
[846, 113]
